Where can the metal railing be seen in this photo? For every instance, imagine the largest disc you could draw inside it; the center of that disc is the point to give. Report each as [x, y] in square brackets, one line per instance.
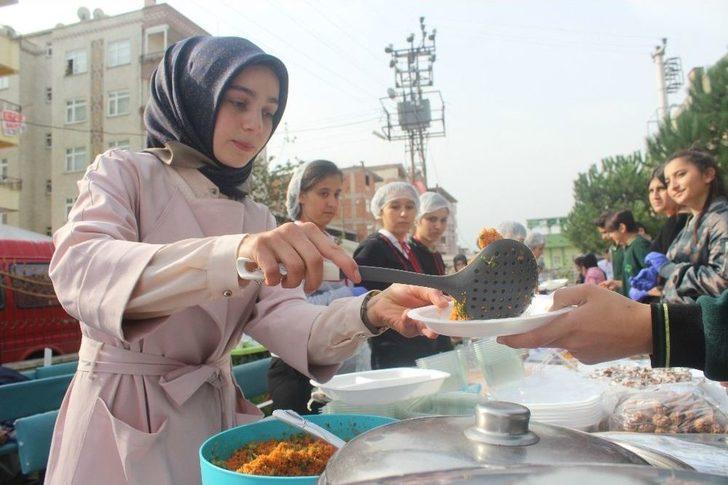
[11, 183]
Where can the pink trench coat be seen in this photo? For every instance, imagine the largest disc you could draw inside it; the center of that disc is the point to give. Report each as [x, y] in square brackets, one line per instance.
[159, 318]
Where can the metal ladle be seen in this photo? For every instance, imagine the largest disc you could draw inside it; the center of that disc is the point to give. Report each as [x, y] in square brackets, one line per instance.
[296, 420]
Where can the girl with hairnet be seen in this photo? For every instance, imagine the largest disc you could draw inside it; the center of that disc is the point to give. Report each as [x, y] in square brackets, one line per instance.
[512, 230]
[431, 223]
[395, 206]
[312, 196]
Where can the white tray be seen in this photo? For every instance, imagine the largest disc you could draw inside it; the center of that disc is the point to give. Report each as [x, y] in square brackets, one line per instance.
[439, 321]
[383, 386]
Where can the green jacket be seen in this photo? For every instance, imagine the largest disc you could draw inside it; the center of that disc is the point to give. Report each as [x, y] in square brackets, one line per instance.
[633, 261]
[693, 336]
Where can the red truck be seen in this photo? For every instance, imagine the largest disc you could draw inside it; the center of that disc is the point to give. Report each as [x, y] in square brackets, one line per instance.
[31, 318]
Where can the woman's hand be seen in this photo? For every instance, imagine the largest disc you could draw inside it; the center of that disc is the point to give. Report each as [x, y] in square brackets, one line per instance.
[389, 308]
[301, 248]
[613, 285]
[605, 326]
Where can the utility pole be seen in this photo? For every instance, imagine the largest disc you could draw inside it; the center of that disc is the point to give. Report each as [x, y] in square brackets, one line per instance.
[413, 113]
[669, 78]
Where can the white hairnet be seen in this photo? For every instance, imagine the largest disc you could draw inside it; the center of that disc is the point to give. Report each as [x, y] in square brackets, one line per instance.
[512, 230]
[534, 239]
[293, 207]
[391, 191]
[431, 202]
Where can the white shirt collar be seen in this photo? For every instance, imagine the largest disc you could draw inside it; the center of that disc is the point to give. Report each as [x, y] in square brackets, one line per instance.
[393, 240]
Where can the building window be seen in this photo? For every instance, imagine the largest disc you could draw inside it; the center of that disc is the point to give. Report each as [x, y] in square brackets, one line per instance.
[49, 140]
[4, 82]
[76, 62]
[49, 231]
[155, 39]
[366, 180]
[75, 159]
[49, 49]
[118, 53]
[3, 220]
[49, 186]
[3, 168]
[75, 111]
[69, 205]
[118, 103]
[49, 95]
[120, 144]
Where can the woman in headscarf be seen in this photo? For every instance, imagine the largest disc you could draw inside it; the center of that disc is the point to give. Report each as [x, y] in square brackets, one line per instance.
[395, 205]
[312, 196]
[147, 263]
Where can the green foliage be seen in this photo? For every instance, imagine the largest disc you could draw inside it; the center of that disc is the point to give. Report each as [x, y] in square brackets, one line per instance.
[270, 184]
[617, 183]
[703, 124]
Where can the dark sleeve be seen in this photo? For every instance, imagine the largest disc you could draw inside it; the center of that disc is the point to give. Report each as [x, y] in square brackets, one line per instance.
[617, 263]
[641, 250]
[372, 252]
[678, 339]
[693, 336]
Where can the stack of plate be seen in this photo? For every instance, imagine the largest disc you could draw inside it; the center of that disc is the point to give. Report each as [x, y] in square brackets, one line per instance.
[557, 396]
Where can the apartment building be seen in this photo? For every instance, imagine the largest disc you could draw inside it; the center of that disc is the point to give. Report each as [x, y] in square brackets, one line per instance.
[81, 89]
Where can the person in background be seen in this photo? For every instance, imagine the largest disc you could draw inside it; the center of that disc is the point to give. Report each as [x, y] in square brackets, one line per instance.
[605, 264]
[698, 263]
[642, 231]
[616, 252]
[579, 263]
[512, 230]
[662, 204]
[607, 326]
[622, 229]
[536, 242]
[459, 262]
[590, 270]
[395, 206]
[430, 225]
[312, 196]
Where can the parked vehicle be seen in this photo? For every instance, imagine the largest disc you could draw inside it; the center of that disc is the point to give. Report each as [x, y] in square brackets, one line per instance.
[31, 318]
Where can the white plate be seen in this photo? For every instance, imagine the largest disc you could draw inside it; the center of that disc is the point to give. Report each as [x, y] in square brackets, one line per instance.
[383, 386]
[439, 321]
[552, 285]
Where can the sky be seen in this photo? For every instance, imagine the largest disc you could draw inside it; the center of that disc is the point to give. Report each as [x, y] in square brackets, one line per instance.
[535, 91]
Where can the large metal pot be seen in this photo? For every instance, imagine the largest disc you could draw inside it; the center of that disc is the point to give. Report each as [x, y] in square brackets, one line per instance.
[500, 438]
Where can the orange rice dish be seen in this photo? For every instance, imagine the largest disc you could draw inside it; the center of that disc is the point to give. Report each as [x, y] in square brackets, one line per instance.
[297, 456]
[487, 235]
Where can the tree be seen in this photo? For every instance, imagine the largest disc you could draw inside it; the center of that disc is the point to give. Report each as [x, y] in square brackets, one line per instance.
[702, 123]
[270, 184]
[617, 183]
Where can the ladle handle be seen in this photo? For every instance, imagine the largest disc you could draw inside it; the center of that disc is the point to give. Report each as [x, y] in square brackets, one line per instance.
[294, 419]
[387, 275]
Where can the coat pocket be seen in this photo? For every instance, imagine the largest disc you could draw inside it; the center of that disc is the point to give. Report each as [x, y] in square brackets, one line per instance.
[142, 454]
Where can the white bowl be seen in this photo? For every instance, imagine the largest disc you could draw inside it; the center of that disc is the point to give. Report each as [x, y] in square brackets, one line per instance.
[383, 386]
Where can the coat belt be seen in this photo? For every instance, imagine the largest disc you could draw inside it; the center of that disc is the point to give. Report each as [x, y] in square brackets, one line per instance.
[179, 380]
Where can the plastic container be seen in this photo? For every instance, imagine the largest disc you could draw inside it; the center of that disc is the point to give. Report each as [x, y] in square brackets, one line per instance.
[444, 404]
[500, 364]
[447, 362]
[222, 445]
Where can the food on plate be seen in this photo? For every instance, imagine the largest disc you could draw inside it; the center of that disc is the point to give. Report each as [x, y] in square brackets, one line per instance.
[641, 377]
[299, 455]
[488, 235]
[667, 412]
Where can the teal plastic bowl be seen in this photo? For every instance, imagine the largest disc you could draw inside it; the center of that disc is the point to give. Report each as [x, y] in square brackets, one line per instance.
[222, 445]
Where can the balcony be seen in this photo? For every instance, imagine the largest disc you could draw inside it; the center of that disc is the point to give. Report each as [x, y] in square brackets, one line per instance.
[12, 123]
[10, 194]
[9, 56]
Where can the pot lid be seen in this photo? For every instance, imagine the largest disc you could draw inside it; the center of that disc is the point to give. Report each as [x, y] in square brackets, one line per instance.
[499, 436]
[557, 475]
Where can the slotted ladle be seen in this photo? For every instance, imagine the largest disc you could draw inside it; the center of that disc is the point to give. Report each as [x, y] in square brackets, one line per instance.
[498, 283]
